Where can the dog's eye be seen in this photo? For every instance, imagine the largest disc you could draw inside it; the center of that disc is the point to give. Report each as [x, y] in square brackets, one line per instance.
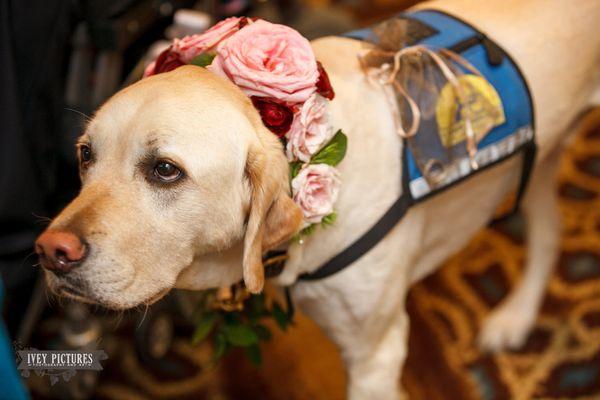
[85, 153]
[167, 171]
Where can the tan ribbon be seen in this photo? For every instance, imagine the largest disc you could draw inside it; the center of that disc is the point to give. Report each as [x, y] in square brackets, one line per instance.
[387, 73]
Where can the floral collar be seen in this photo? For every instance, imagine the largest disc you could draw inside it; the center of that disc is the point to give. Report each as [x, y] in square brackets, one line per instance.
[275, 66]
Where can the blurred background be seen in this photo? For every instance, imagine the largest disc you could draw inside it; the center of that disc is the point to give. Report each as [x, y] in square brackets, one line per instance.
[59, 60]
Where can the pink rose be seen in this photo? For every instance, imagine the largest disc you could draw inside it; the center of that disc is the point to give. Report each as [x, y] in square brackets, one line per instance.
[310, 130]
[315, 189]
[268, 60]
[190, 47]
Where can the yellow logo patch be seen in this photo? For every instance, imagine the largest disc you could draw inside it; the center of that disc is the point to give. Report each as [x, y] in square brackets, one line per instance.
[481, 101]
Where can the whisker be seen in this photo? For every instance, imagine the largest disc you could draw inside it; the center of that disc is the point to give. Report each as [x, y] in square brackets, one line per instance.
[27, 258]
[85, 116]
[48, 298]
[120, 316]
[41, 218]
[143, 316]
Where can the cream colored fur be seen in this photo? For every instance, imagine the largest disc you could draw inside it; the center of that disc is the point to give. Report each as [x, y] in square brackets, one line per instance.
[145, 240]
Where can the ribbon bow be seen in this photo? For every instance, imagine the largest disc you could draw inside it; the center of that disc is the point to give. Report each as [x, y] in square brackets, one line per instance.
[386, 74]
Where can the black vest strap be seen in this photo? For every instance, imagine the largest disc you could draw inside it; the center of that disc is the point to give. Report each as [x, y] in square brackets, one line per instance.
[395, 213]
[366, 242]
[529, 151]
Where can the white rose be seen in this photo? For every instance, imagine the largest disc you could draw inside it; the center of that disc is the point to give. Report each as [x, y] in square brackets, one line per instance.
[315, 190]
[310, 129]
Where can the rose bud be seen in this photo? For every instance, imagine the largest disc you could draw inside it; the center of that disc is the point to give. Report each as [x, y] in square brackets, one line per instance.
[167, 61]
[246, 21]
[276, 116]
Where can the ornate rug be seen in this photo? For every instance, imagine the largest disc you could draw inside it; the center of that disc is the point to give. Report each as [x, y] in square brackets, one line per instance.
[561, 359]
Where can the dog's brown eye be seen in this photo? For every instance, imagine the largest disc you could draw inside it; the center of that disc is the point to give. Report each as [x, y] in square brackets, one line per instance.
[166, 171]
[85, 153]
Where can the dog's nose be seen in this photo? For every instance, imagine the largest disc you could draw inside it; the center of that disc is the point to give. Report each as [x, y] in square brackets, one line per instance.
[60, 251]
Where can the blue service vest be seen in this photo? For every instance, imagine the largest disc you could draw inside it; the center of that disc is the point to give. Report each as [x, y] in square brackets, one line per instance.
[517, 131]
[515, 135]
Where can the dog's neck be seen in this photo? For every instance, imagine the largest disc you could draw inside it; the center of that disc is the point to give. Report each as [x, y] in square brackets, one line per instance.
[371, 169]
[370, 173]
[212, 270]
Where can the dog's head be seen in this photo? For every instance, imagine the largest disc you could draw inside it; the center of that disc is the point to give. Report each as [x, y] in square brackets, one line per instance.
[176, 170]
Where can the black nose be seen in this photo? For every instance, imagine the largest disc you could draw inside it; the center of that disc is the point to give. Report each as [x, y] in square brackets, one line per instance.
[60, 251]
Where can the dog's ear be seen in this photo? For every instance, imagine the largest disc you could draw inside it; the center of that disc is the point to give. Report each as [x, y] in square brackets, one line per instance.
[273, 216]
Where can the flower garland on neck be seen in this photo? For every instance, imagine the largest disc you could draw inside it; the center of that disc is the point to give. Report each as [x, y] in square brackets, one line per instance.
[275, 66]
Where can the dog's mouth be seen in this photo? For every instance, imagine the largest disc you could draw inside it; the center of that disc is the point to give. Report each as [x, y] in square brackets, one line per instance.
[73, 293]
[69, 287]
[75, 289]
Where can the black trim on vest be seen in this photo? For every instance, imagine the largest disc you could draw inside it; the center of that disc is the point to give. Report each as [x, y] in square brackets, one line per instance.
[504, 52]
[367, 241]
[495, 54]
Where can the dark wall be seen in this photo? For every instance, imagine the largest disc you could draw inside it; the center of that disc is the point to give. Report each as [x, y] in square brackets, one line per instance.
[34, 43]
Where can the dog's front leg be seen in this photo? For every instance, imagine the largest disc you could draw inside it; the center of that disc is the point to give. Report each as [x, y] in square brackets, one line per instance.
[509, 325]
[375, 361]
[366, 319]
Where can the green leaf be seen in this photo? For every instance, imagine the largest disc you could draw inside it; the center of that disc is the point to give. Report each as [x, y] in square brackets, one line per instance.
[257, 305]
[263, 332]
[204, 327]
[304, 232]
[254, 355]
[280, 316]
[220, 347]
[333, 152]
[231, 318]
[308, 230]
[329, 219]
[295, 168]
[203, 59]
[240, 335]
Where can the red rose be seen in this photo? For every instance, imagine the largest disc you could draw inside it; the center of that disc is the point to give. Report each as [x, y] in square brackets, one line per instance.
[245, 21]
[276, 116]
[167, 61]
[323, 85]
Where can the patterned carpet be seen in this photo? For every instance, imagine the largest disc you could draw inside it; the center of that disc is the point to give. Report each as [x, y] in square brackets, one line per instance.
[560, 360]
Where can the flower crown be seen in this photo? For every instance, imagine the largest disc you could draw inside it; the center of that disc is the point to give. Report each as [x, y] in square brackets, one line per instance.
[275, 66]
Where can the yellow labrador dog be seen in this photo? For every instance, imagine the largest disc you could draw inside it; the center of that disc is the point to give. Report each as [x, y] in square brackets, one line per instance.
[183, 187]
